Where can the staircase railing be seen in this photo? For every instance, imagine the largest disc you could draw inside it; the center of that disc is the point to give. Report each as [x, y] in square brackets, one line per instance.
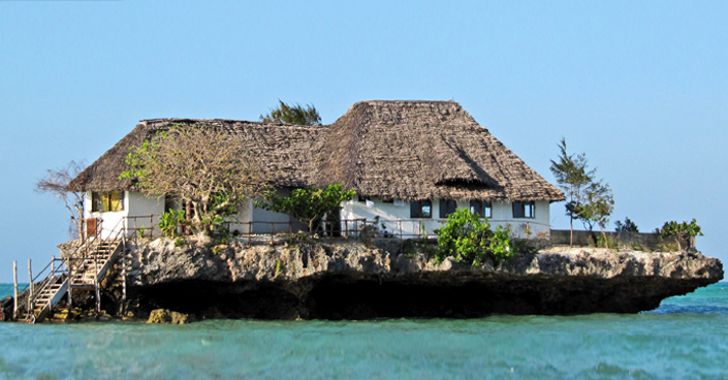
[55, 269]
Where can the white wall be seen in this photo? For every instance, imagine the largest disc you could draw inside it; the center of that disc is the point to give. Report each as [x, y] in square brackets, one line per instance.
[263, 221]
[144, 212]
[135, 206]
[106, 220]
[396, 217]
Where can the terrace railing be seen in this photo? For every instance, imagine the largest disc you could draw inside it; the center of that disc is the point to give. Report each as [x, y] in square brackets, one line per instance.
[146, 226]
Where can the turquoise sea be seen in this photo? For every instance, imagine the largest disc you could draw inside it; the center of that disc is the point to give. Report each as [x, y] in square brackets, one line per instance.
[687, 337]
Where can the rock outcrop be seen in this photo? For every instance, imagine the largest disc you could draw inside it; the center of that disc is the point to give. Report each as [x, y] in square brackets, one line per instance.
[164, 316]
[391, 278]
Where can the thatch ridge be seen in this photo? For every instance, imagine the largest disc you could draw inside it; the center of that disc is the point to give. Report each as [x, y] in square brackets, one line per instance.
[403, 149]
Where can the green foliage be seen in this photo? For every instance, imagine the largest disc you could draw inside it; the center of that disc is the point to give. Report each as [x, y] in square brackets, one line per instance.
[468, 238]
[598, 205]
[292, 114]
[606, 241]
[141, 233]
[309, 205]
[572, 175]
[587, 198]
[681, 232]
[279, 267]
[500, 245]
[170, 222]
[627, 226]
[137, 157]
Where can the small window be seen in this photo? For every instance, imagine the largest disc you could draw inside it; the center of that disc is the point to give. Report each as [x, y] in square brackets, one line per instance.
[483, 209]
[421, 209]
[110, 201]
[447, 207]
[525, 210]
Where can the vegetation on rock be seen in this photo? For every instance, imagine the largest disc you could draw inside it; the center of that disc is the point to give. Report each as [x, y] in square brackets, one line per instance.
[170, 223]
[310, 205]
[681, 232]
[469, 239]
[587, 198]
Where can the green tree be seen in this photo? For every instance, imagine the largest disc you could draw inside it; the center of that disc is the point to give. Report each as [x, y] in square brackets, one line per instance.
[309, 205]
[597, 207]
[292, 114]
[572, 175]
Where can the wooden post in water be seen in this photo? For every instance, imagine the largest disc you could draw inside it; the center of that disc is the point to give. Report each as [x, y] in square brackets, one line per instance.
[15, 290]
[30, 285]
[96, 283]
[70, 283]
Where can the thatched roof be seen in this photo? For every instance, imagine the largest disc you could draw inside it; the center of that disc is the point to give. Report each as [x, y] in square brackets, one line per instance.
[385, 149]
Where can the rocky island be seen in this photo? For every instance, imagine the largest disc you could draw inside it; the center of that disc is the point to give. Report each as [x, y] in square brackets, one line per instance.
[391, 278]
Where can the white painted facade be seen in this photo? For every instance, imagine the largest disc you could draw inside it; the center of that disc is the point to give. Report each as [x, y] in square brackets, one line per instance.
[142, 212]
[261, 221]
[139, 213]
[395, 216]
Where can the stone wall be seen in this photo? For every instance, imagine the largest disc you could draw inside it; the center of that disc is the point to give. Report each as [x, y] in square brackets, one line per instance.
[651, 241]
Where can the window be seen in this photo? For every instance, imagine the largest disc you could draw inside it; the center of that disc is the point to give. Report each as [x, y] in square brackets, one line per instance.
[421, 209]
[525, 210]
[107, 201]
[483, 209]
[447, 207]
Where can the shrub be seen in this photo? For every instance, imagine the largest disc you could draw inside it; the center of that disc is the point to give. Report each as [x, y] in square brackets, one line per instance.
[309, 205]
[170, 221]
[681, 232]
[500, 245]
[606, 241]
[469, 239]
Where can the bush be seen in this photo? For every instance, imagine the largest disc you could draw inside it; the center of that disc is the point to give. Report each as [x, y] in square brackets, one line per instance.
[469, 239]
[170, 221]
[681, 232]
[500, 245]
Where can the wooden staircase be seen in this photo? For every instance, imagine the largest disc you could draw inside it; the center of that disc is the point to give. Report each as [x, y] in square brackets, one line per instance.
[92, 268]
[84, 272]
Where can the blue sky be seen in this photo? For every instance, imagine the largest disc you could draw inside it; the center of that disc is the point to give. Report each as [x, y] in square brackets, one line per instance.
[641, 87]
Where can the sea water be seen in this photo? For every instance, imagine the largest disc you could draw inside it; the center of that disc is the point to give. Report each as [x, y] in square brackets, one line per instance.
[687, 337]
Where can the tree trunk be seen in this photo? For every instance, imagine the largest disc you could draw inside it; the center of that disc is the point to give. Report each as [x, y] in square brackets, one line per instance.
[188, 218]
[571, 231]
[311, 223]
[79, 225]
